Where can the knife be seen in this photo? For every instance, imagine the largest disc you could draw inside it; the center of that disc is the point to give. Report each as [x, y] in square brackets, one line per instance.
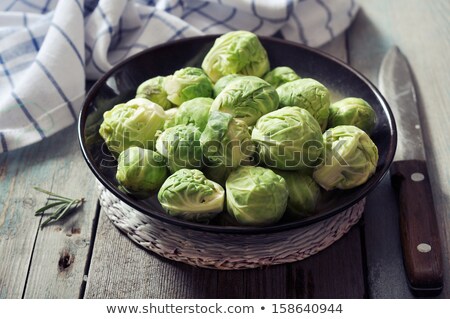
[419, 231]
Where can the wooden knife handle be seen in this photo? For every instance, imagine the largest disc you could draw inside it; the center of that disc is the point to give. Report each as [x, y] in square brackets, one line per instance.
[421, 246]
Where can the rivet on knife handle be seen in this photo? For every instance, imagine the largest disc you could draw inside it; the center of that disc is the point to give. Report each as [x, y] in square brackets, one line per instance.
[418, 227]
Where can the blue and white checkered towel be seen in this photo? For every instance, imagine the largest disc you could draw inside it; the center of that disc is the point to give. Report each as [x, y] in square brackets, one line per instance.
[48, 48]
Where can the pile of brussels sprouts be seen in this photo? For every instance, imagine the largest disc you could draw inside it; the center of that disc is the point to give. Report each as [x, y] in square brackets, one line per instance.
[236, 137]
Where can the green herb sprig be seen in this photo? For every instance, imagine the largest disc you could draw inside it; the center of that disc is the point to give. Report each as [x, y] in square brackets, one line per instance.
[63, 206]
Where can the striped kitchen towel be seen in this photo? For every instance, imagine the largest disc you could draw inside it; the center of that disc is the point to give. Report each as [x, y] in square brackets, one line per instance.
[48, 48]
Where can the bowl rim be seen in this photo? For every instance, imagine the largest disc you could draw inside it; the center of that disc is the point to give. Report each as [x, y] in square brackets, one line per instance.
[90, 96]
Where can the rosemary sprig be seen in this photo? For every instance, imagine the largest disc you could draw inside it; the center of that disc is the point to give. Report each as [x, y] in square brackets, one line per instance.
[64, 206]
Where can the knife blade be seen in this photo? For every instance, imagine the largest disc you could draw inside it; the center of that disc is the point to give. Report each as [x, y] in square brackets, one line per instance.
[419, 231]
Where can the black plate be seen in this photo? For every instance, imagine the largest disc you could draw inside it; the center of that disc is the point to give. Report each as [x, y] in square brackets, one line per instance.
[120, 83]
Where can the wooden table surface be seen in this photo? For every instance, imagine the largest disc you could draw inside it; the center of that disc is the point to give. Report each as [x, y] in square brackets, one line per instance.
[87, 257]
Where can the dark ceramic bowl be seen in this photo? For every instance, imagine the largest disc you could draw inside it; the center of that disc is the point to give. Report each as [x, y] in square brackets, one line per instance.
[120, 83]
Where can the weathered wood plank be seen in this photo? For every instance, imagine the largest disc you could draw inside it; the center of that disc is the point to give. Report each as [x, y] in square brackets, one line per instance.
[336, 272]
[19, 170]
[420, 29]
[61, 250]
[121, 269]
[133, 272]
[55, 268]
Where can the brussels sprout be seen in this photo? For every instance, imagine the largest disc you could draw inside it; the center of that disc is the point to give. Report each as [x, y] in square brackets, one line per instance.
[303, 193]
[281, 75]
[256, 196]
[236, 52]
[288, 138]
[132, 124]
[309, 95]
[247, 98]
[352, 111]
[226, 140]
[188, 195]
[223, 82]
[350, 157]
[186, 84]
[170, 118]
[180, 145]
[141, 171]
[153, 90]
[195, 111]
